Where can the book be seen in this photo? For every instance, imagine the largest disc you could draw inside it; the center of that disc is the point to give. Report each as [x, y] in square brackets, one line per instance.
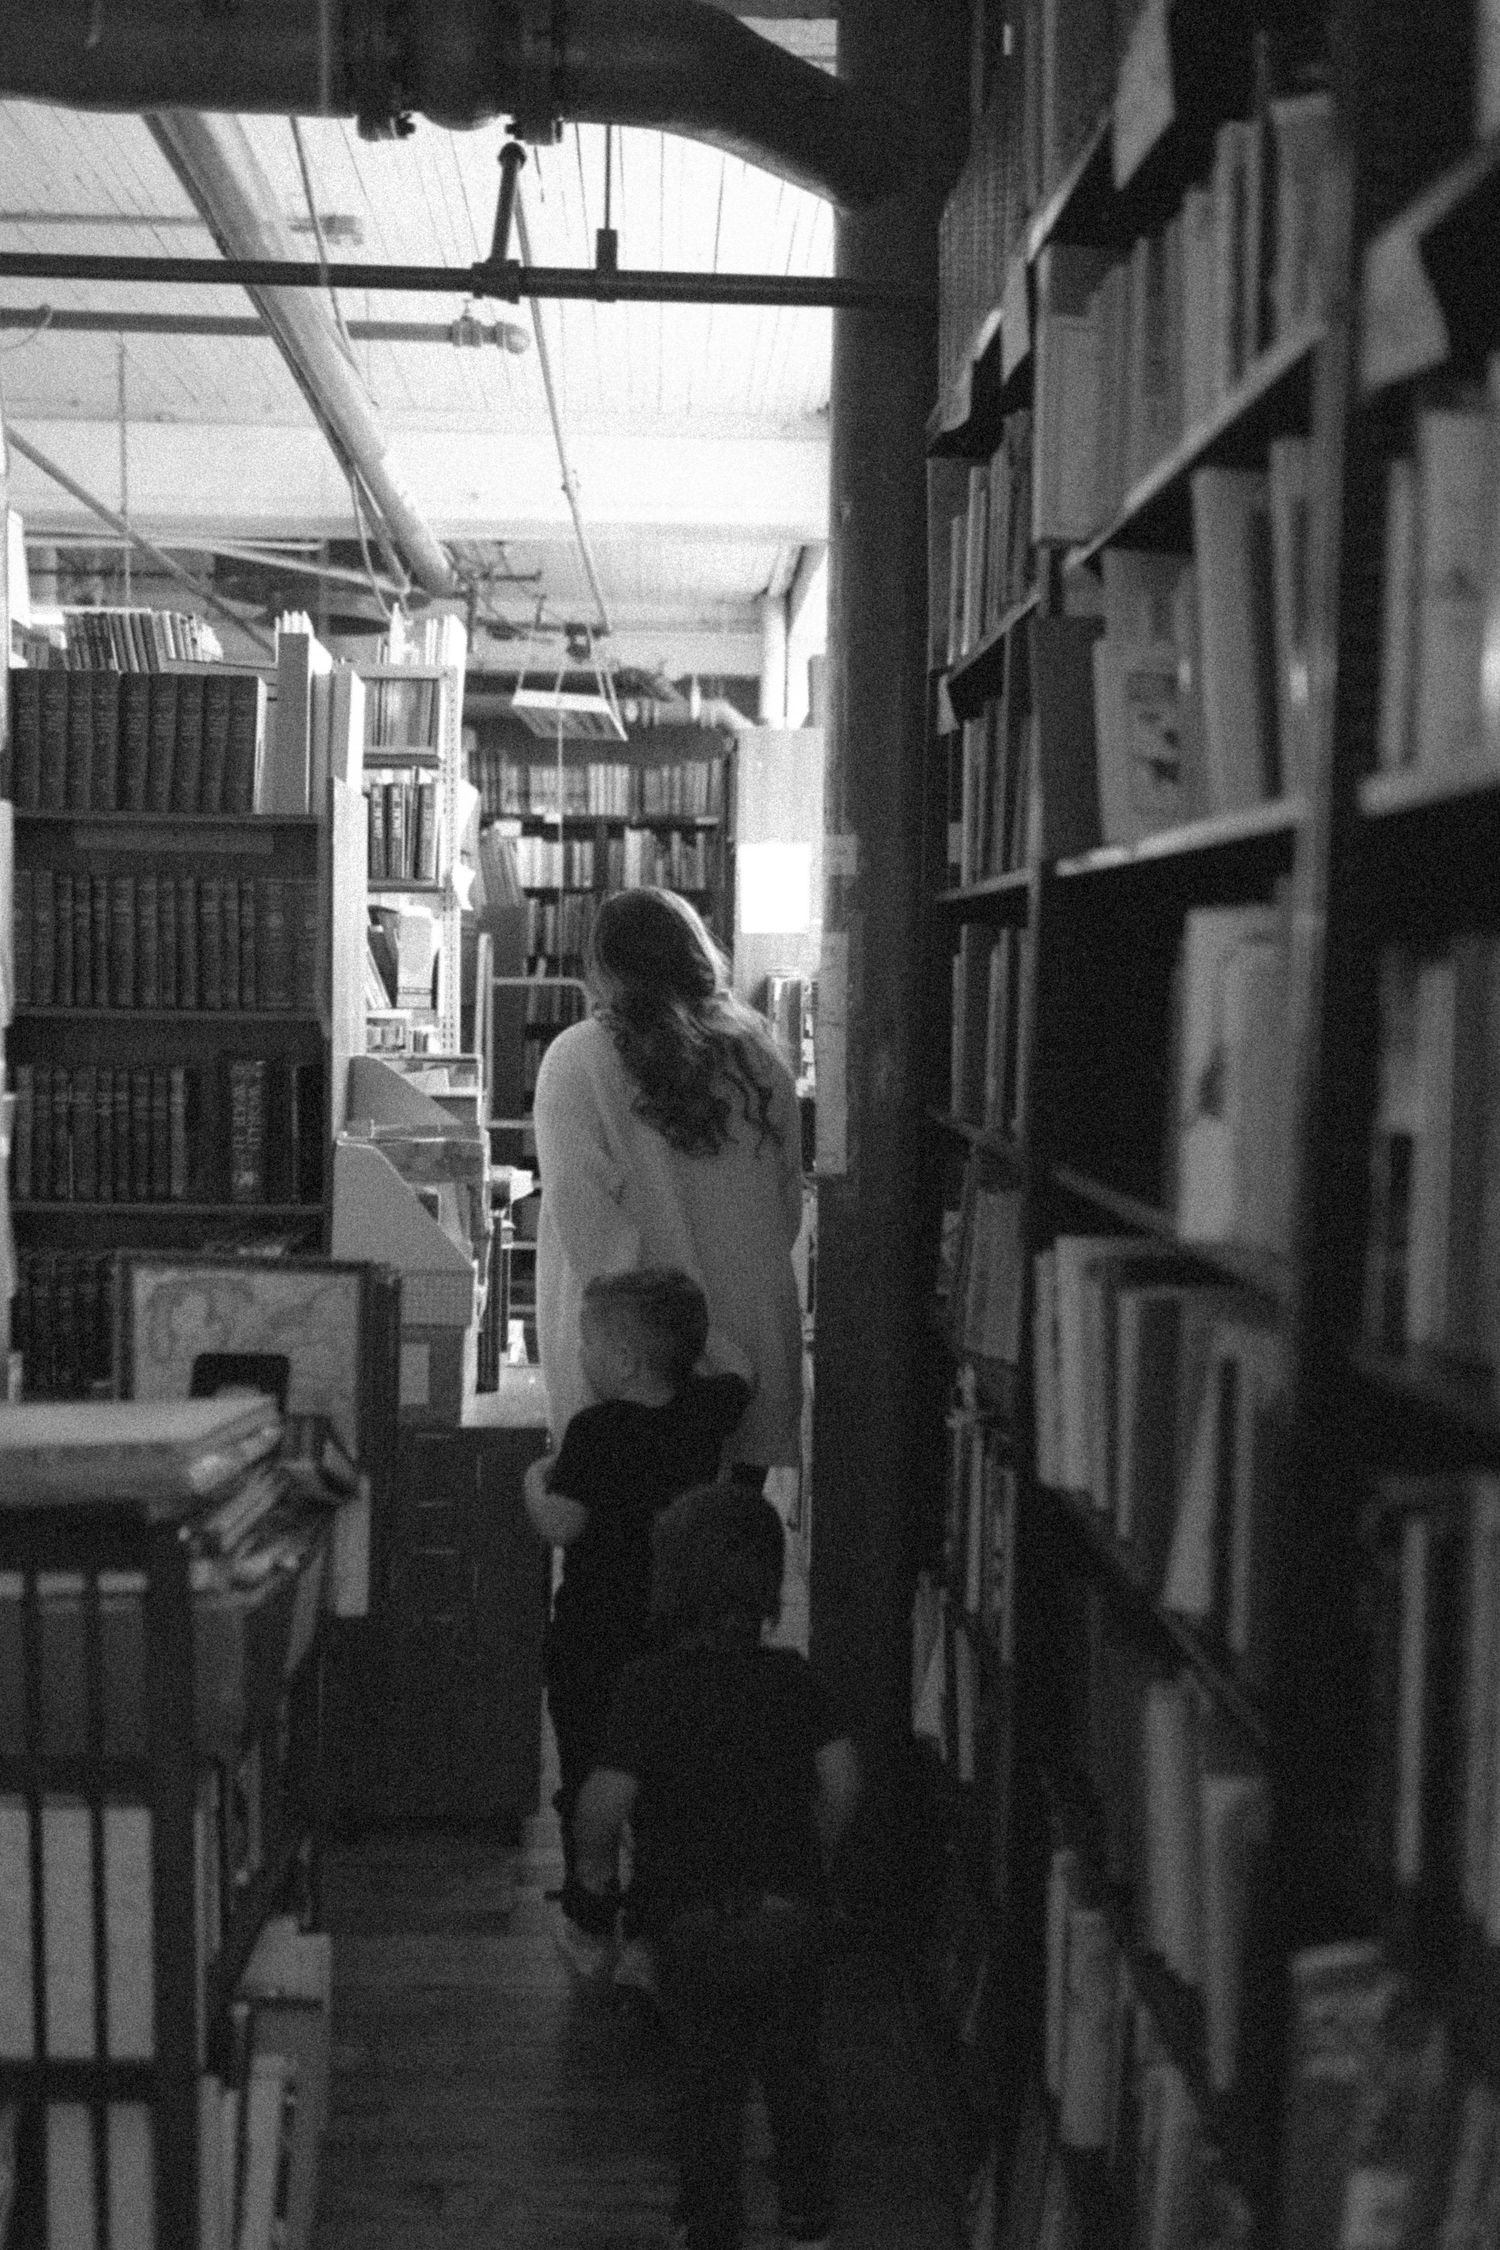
[244, 753]
[1067, 391]
[166, 1456]
[62, 939]
[26, 737]
[53, 784]
[1301, 132]
[286, 779]
[135, 741]
[214, 752]
[1341, 1995]
[1219, 1077]
[1232, 547]
[247, 1130]
[161, 742]
[105, 757]
[147, 942]
[83, 944]
[1288, 462]
[78, 789]
[1457, 462]
[189, 992]
[1148, 730]
[187, 756]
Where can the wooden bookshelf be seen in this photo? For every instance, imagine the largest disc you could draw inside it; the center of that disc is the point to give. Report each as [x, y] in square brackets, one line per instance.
[181, 1017]
[1322, 890]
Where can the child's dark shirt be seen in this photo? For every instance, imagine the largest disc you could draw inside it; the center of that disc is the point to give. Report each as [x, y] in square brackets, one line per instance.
[624, 1462]
[722, 1742]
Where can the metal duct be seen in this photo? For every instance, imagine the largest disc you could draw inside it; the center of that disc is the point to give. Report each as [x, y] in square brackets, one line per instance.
[216, 164]
[679, 66]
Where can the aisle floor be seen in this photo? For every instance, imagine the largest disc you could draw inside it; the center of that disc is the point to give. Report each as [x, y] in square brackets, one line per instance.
[481, 2098]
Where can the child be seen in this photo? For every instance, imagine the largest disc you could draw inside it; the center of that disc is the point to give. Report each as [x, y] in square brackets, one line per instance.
[657, 1428]
[721, 1753]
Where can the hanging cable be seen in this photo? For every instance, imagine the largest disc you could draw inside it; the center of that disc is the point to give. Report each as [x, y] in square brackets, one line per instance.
[569, 485]
[364, 545]
[124, 451]
[317, 227]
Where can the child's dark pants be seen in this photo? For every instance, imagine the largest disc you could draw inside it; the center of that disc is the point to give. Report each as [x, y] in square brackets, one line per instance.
[742, 1986]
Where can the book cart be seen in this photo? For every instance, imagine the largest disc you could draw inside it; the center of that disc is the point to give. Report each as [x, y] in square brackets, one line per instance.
[158, 1801]
[1204, 1645]
[188, 989]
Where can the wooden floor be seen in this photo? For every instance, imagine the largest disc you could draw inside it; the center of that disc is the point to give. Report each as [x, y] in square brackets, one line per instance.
[481, 2099]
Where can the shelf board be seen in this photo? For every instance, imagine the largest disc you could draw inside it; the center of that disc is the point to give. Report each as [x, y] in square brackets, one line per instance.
[1191, 1645]
[993, 891]
[1158, 503]
[1383, 796]
[1421, 308]
[1263, 1271]
[388, 887]
[975, 678]
[951, 415]
[610, 819]
[277, 1212]
[1092, 158]
[1280, 816]
[993, 1142]
[1420, 1405]
[221, 1016]
[76, 816]
[402, 754]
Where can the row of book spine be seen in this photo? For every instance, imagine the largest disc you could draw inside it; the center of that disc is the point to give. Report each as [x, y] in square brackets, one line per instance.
[156, 939]
[244, 1130]
[989, 540]
[135, 640]
[557, 928]
[62, 1320]
[1132, 354]
[991, 976]
[402, 830]
[401, 714]
[601, 788]
[675, 861]
[105, 742]
[550, 863]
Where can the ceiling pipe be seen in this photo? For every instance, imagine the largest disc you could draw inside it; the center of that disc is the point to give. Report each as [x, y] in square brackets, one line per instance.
[213, 159]
[678, 66]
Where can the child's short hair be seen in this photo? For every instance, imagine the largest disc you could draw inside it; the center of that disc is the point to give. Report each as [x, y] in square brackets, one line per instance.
[661, 1310]
[718, 1551]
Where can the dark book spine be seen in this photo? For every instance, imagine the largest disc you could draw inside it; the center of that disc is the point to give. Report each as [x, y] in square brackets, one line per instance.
[229, 948]
[53, 791]
[43, 938]
[211, 941]
[177, 1133]
[305, 958]
[307, 1132]
[272, 984]
[80, 774]
[41, 1134]
[106, 742]
[83, 943]
[187, 761]
[21, 1145]
[99, 931]
[22, 942]
[62, 1139]
[161, 1136]
[166, 939]
[397, 865]
[135, 740]
[250, 995]
[124, 1169]
[187, 942]
[104, 1133]
[147, 946]
[247, 710]
[215, 742]
[85, 1136]
[247, 1131]
[62, 939]
[122, 940]
[140, 1135]
[161, 742]
[26, 738]
[425, 857]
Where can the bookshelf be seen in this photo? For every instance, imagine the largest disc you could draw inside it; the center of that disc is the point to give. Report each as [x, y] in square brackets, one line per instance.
[660, 811]
[412, 769]
[183, 975]
[1205, 1633]
[157, 1798]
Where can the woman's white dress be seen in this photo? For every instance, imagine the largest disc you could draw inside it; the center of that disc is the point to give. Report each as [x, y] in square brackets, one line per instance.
[615, 1194]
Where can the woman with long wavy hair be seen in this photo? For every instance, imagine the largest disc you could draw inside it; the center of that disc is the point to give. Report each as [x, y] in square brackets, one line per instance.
[667, 1134]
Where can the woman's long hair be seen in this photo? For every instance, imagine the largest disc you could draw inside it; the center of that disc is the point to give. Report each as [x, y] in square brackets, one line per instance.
[693, 1050]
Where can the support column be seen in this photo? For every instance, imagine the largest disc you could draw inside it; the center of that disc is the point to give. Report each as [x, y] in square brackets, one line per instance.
[865, 1437]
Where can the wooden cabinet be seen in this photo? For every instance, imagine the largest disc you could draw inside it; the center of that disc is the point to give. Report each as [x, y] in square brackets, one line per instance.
[436, 1699]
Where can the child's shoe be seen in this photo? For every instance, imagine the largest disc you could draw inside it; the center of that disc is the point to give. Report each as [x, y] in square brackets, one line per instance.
[634, 1980]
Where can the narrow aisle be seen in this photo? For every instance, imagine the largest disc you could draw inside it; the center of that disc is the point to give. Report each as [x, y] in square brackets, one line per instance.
[480, 2098]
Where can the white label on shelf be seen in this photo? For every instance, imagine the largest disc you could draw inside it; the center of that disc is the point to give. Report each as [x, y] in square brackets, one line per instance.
[1144, 103]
